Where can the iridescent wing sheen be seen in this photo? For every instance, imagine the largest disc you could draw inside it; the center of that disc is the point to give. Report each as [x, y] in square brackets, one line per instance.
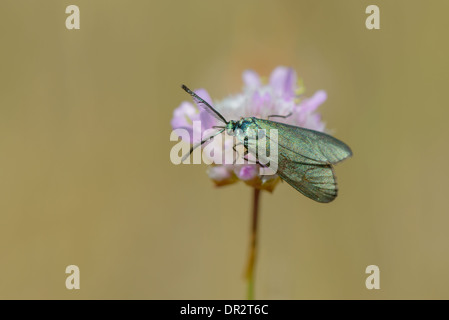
[304, 158]
[317, 147]
[314, 181]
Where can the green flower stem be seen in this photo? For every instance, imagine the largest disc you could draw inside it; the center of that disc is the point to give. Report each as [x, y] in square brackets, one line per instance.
[253, 246]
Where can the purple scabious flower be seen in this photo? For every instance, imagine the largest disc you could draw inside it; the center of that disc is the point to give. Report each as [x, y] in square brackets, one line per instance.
[280, 96]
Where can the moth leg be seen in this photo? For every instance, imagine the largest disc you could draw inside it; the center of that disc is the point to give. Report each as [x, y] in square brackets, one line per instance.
[245, 154]
[256, 162]
[238, 154]
[279, 116]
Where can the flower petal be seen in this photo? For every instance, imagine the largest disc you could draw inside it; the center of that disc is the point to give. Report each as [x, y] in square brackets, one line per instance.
[283, 81]
[218, 173]
[184, 115]
[314, 122]
[258, 101]
[251, 79]
[207, 120]
[247, 172]
[312, 103]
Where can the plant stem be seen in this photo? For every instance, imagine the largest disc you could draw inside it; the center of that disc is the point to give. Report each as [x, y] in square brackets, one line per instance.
[253, 245]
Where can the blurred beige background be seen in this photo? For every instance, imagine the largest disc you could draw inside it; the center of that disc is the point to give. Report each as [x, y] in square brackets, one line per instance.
[86, 178]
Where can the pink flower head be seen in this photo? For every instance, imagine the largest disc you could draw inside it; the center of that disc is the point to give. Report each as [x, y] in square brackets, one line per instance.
[278, 97]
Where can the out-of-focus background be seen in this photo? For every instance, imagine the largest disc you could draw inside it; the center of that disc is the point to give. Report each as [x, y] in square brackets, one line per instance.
[86, 177]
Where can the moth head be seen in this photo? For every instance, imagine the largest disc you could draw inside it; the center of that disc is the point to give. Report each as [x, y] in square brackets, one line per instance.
[230, 127]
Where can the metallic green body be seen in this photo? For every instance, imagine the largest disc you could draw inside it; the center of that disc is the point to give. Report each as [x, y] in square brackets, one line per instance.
[305, 157]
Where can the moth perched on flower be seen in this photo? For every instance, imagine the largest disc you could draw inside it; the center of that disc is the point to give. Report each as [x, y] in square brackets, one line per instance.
[303, 154]
[306, 155]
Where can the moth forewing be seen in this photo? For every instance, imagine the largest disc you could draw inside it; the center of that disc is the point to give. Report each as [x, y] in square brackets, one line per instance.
[306, 158]
[310, 144]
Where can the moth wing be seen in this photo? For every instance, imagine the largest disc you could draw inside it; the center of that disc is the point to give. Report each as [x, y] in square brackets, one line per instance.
[310, 172]
[317, 147]
[316, 182]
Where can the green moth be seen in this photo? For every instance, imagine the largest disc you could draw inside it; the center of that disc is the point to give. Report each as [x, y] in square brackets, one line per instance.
[305, 157]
